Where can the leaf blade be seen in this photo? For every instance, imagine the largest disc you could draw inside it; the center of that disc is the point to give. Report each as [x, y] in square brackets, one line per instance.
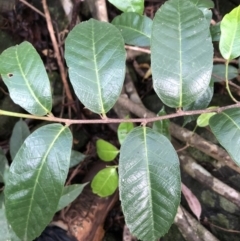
[226, 128]
[230, 34]
[135, 29]
[151, 169]
[181, 68]
[95, 56]
[106, 151]
[40, 174]
[24, 74]
[129, 5]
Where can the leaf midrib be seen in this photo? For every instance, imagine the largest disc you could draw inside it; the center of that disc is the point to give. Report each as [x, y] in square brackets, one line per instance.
[36, 180]
[27, 82]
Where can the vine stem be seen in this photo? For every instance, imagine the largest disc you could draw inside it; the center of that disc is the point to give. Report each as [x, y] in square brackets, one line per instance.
[105, 120]
[227, 82]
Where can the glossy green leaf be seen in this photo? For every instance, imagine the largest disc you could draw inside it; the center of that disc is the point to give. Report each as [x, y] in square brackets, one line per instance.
[162, 126]
[36, 179]
[3, 166]
[218, 73]
[70, 193]
[149, 183]
[76, 158]
[203, 4]
[123, 129]
[226, 128]
[129, 5]
[19, 134]
[203, 119]
[215, 32]
[105, 182]
[25, 76]
[95, 56]
[181, 67]
[201, 103]
[135, 29]
[230, 34]
[106, 151]
[4, 231]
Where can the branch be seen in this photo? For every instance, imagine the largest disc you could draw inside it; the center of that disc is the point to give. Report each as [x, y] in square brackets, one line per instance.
[190, 228]
[148, 116]
[57, 53]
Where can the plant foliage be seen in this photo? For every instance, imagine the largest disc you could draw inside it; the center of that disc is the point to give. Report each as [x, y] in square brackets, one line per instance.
[149, 172]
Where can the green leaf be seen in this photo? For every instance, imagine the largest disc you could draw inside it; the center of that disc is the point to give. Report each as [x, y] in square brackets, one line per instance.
[25, 76]
[181, 67]
[149, 183]
[4, 231]
[70, 193]
[36, 179]
[123, 129]
[135, 29]
[203, 4]
[129, 5]
[218, 73]
[162, 126]
[201, 103]
[106, 151]
[230, 33]
[226, 128]
[76, 158]
[3, 167]
[203, 119]
[105, 182]
[96, 57]
[215, 31]
[19, 134]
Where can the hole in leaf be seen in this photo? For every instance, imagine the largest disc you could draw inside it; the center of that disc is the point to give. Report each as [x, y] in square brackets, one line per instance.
[10, 75]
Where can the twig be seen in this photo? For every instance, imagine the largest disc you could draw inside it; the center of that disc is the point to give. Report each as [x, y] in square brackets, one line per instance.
[57, 52]
[32, 7]
[98, 9]
[148, 116]
[197, 172]
[193, 232]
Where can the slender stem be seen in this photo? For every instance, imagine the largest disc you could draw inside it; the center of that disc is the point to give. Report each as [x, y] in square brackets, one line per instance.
[227, 82]
[105, 120]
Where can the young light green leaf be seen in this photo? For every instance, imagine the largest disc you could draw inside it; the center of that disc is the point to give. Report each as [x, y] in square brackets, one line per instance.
[226, 128]
[105, 182]
[123, 129]
[181, 67]
[203, 119]
[149, 183]
[162, 126]
[95, 56]
[135, 28]
[36, 179]
[70, 193]
[218, 73]
[25, 76]
[201, 103]
[76, 158]
[106, 151]
[230, 34]
[19, 134]
[129, 5]
[3, 166]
